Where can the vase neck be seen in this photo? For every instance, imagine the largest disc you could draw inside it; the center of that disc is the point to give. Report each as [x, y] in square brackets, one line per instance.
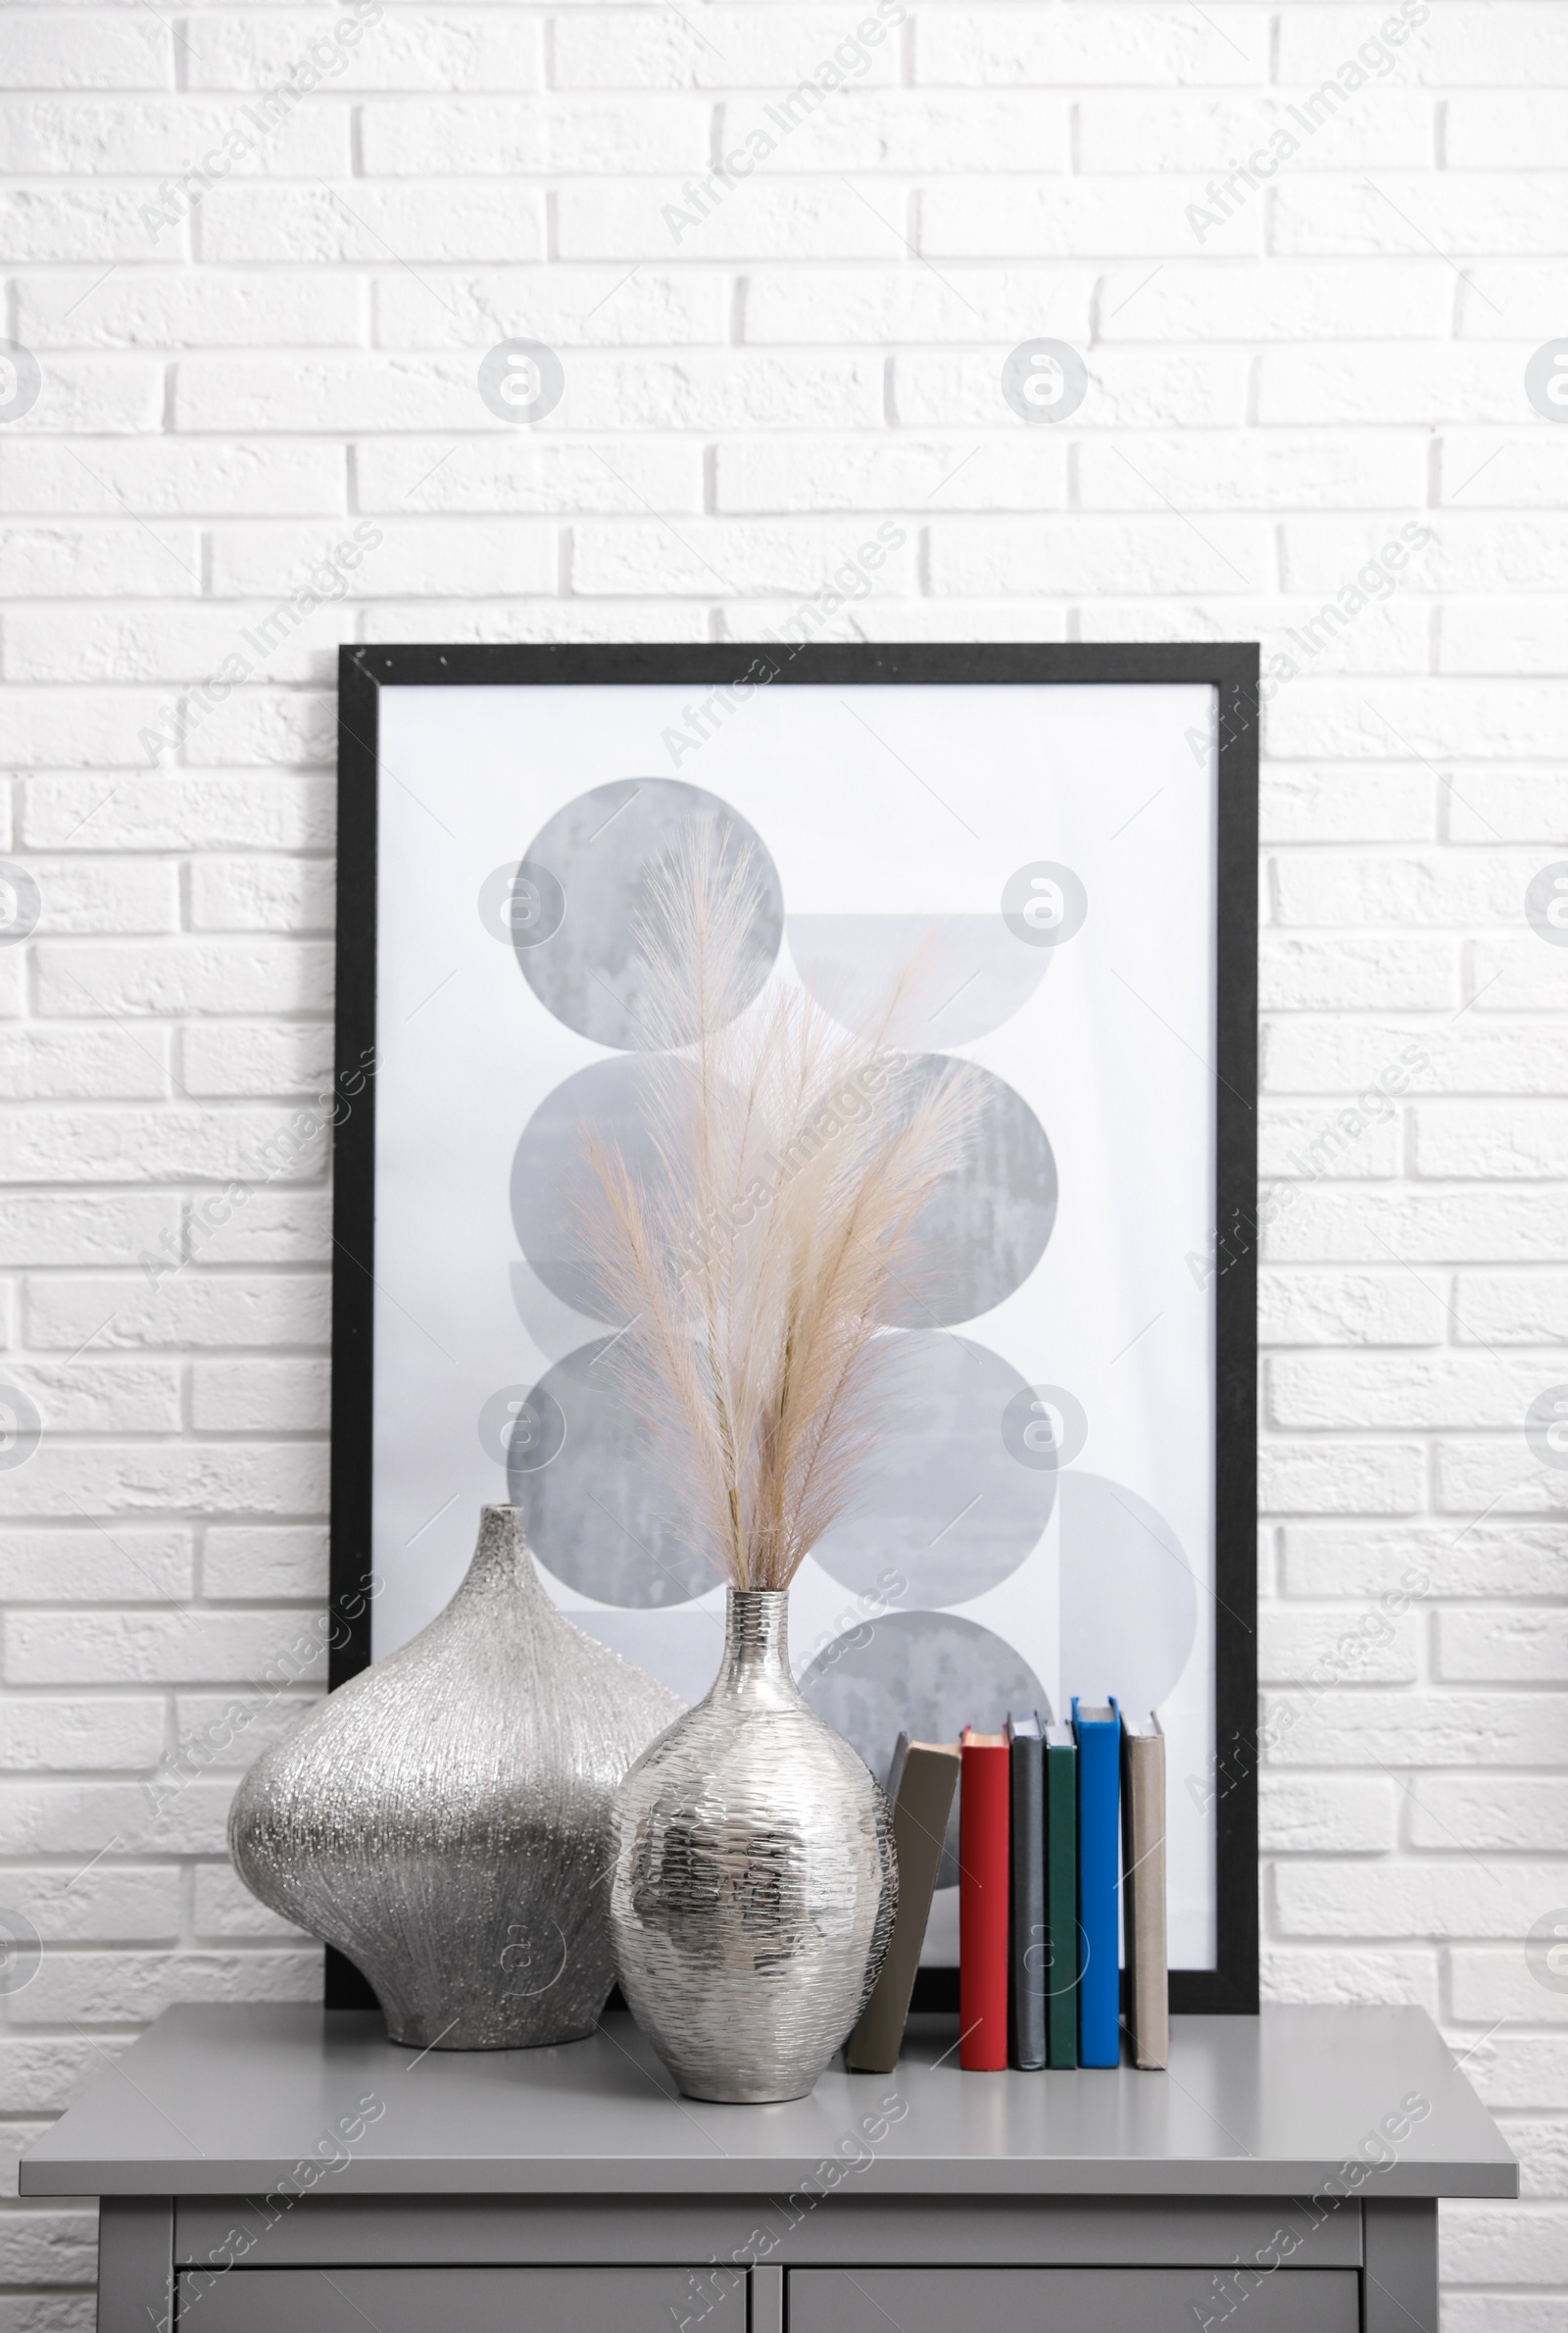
[756, 1645]
[503, 1561]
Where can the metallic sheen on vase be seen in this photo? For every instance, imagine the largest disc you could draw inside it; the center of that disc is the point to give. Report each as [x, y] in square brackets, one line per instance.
[443, 1819]
[755, 1881]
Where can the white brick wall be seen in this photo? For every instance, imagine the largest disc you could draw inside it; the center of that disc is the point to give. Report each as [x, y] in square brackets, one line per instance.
[226, 396]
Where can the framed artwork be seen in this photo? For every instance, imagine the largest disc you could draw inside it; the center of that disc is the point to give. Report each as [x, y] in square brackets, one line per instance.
[1064, 1502]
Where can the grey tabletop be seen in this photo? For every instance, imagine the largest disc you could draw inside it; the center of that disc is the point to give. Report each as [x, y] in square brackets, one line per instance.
[215, 2100]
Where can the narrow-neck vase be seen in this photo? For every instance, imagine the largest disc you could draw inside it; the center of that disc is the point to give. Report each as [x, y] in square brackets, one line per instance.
[755, 1881]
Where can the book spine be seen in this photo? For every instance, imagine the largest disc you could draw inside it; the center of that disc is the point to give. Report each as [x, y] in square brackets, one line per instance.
[1143, 1899]
[1098, 1877]
[983, 1908]
[1062, 1904]
[1026, 2004]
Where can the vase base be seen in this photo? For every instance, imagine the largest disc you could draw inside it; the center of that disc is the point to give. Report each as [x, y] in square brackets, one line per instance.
[718, 2094]
[458, 2036]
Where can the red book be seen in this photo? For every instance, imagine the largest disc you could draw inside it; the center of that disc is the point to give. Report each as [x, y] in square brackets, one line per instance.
[983, 1879]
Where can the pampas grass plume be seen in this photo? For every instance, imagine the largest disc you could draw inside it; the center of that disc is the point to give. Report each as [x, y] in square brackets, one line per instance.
[758, 1261]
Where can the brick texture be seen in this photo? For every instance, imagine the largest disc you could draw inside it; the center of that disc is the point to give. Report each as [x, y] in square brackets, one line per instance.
[782, 319]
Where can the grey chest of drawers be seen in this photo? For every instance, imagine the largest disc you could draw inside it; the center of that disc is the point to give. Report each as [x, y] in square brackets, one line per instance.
[285, 2170]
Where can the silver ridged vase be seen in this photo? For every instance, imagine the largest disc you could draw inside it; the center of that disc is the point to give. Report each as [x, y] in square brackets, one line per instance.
[755, 1881]
[443, 1819]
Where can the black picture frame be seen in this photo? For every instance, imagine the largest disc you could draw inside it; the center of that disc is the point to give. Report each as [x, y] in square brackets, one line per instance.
[1231, 670]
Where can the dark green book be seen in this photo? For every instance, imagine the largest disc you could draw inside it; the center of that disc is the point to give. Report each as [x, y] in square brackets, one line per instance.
[1061, 1895]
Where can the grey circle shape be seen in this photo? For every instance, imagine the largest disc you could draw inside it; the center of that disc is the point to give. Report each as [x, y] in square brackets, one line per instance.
[1044, 1427]
[940, 1499]
[20, 380]
[21, 903]
[1129, 1601]
[974, 979]
[1546, 380]
[20, 1427]
[522, 1428]
[1045, 381]
[522, 904]
[21, 1950]
[1547, 1426]
[988, 1223]
[603, 847]
[550, 1170]
[1547, 1950]
[521, 380]
[598, 1519]
[1044, 904]
[1545, 894]
[926, 1674]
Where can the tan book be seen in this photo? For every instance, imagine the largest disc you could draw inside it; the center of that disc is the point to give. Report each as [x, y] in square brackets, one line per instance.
[1143, 1890]
[921, 1782]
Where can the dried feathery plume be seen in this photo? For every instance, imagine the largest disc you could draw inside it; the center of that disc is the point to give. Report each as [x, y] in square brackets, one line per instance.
[757, 1263]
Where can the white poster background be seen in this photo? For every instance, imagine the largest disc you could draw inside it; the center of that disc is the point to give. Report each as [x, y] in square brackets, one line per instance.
[869, 799]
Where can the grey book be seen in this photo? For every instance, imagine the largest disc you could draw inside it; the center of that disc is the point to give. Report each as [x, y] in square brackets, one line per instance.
[920, 1783]
[1026, 1893]
[1143, 1891]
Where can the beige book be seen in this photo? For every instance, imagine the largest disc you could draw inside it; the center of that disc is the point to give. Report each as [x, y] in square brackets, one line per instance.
[1143, 1890]
[923, 1778]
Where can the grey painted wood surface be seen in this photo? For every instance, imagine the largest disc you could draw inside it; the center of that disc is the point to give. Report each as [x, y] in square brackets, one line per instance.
[767, 2301]
[136, 2264]
[252, 2100]
[844, 2230]
[1400, 2276]
[1063, 2301]
[469, 2300]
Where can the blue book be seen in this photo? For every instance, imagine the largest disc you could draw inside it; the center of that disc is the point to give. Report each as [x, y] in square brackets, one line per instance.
[1098, 1731]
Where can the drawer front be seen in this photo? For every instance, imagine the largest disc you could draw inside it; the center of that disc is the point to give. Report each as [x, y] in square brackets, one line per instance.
[1067, 2300]
[462, 2301]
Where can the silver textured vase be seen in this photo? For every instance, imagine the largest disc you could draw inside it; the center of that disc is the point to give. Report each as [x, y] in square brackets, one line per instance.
[755, 1881]
[443, 1819]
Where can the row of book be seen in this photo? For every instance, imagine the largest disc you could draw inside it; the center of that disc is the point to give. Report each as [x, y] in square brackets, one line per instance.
[1061, 1867]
